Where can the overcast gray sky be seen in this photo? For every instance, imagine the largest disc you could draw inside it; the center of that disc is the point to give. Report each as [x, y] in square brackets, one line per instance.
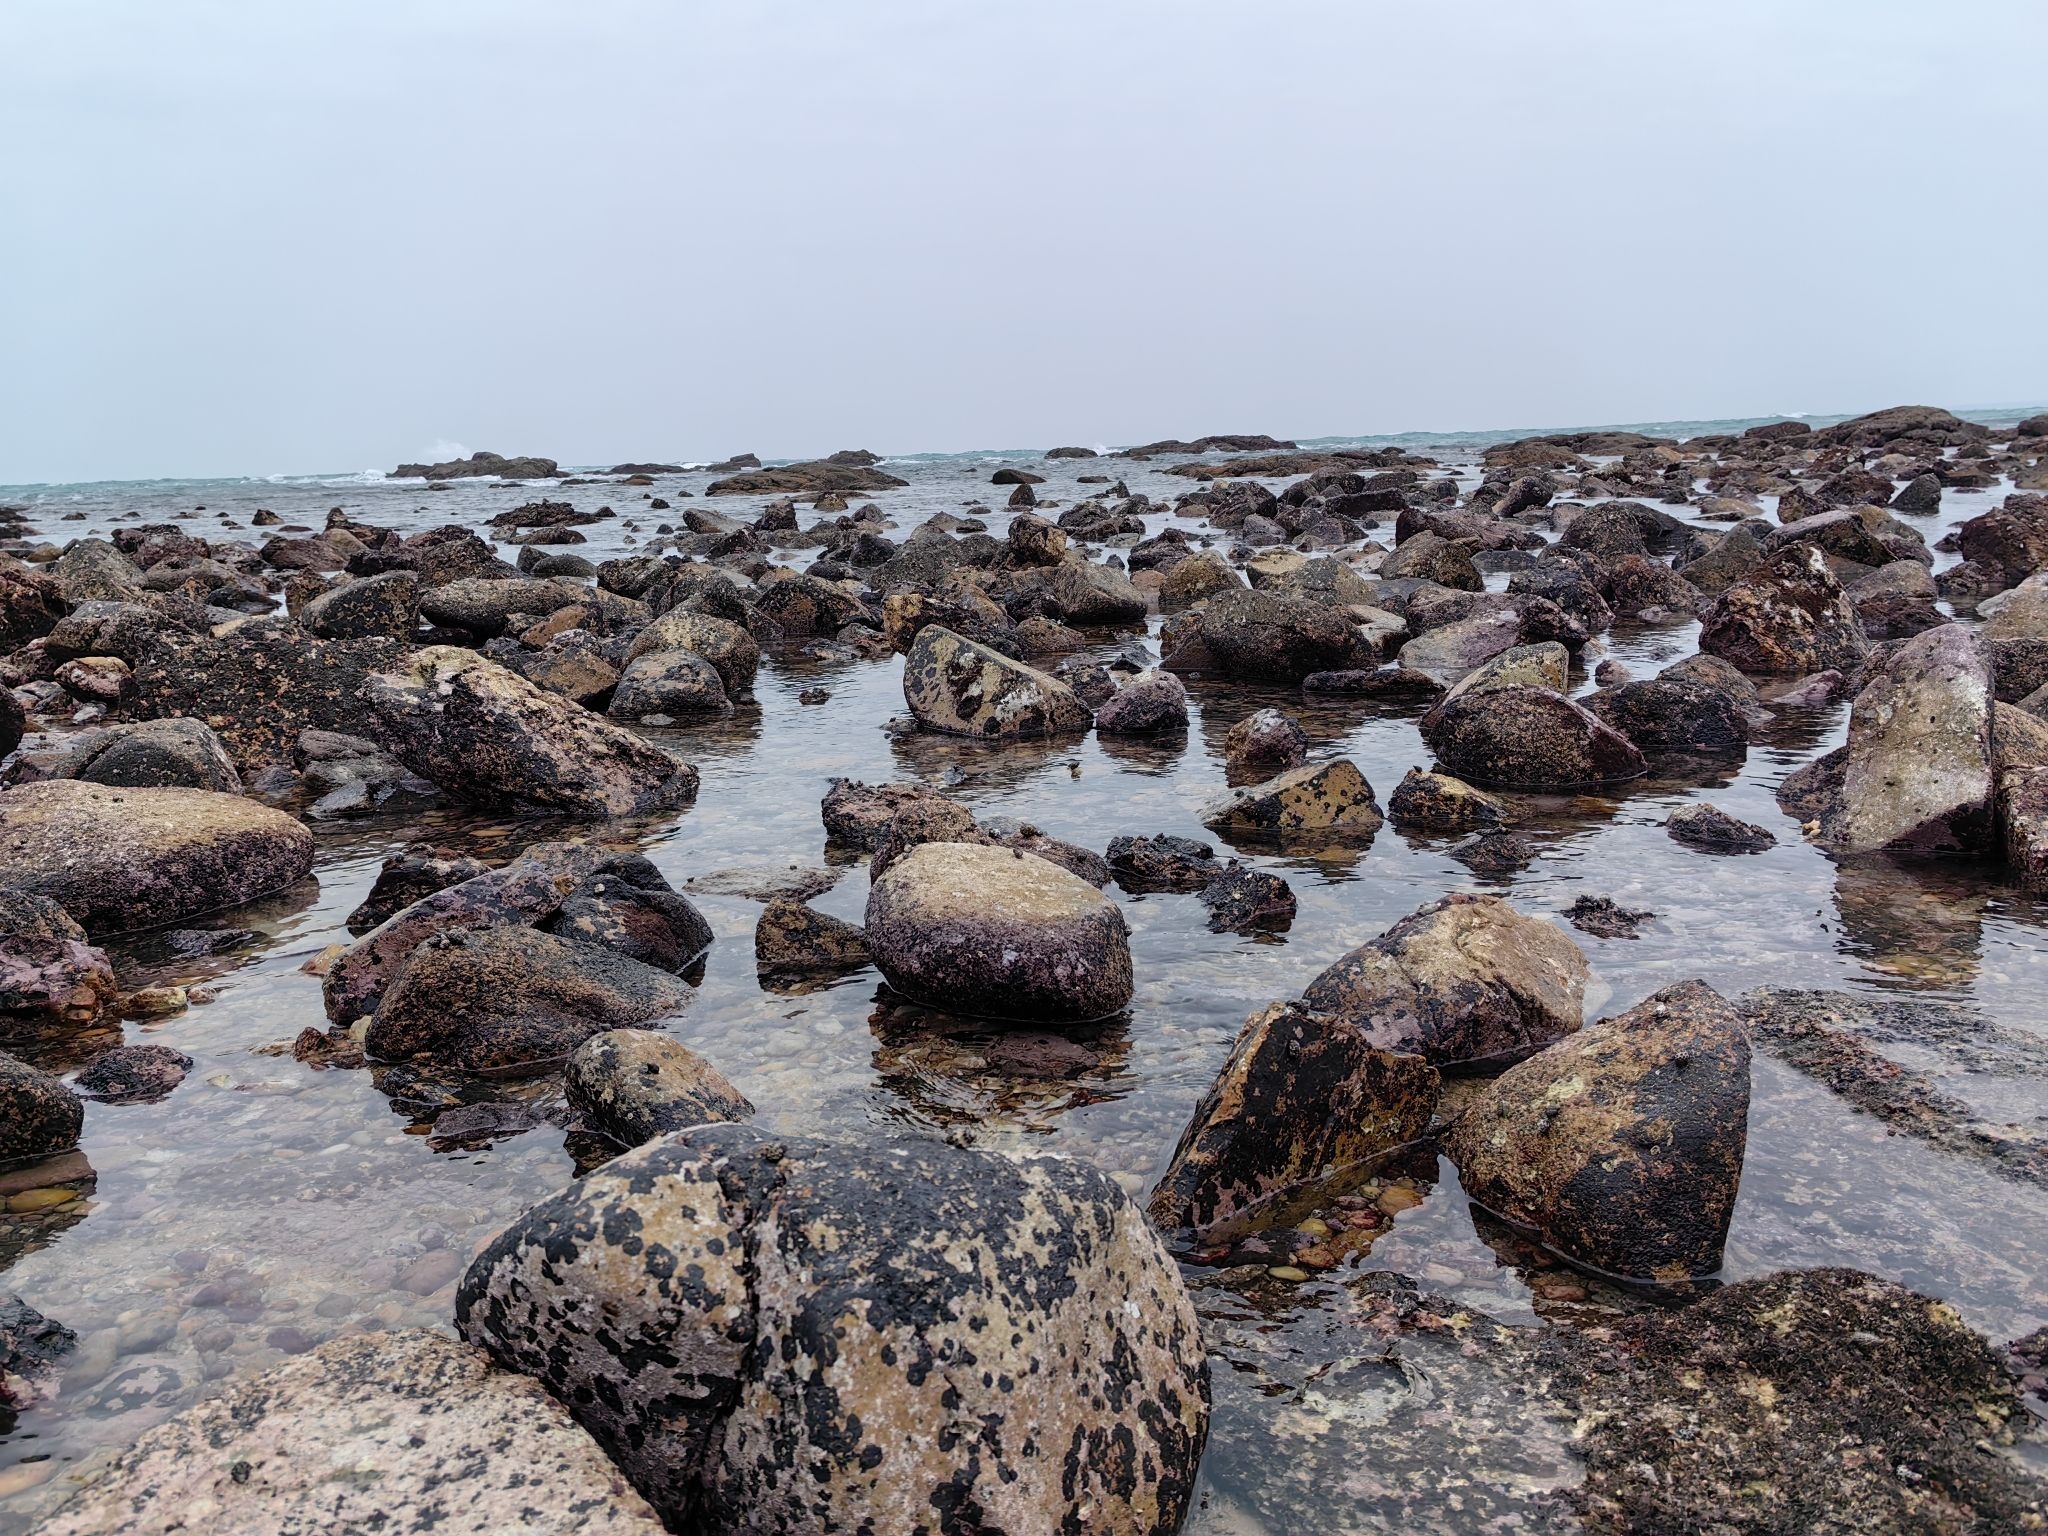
[275, 237]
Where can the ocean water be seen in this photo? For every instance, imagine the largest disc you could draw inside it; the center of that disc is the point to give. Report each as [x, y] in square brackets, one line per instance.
[266, 1205]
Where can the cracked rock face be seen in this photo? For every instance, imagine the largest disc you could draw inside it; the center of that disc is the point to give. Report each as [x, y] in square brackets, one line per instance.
[407, 1431]
[1466, 981]
[959, 688]
[1622, 1146]
[999, 933]
[486, 735]
[800, 1336]
[1303, 1095]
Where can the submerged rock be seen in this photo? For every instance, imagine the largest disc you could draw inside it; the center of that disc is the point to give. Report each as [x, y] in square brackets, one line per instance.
[39, 1116]
[133, 1074]
[513, 1000]
[1622, 1146]
[121, 859]
[1266, 739]
[632, 1085]
[959, 688]
[1606, 918]
[488, 736]
[999, 933]
[371, 1432]
[47, 969]
[1146, 864]
[1713, 830]
[1318, 797]
[1304, 1097]
[1466, 981]
[864, 1324]
[1818, 1401]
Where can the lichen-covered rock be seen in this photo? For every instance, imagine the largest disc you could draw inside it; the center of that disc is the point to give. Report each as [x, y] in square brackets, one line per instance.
[1917, 770]
[412, 874]
[144, 754]
[1713, 830]
[39, 1116]
[1772, 1379]
[1317, 797]
[1528, 738]
[133, 1074]
[794, 1336]
[1241, 900]
[1266, 739]
[1787, 619]
[2023, 816]
[1259, 637]
[1151, 702]
[856, 814]
[1202, 574]
[661, 686]
[47, 969]
[387, 604]
[1674, 714]
[792, 939]
[1092, 596]
[1305, 1097]
[121, 859]
[1436, 802]
[1146, 864]
[733, 653]
[999, 933]
[1622, 1146]
[31, 603]
[1466, 981]
[959, 688]
[1455, 650]
[486, 735]
[372, 1432]
[31, 1348]
[511, 1000]
[483, 604]
[632, 1085]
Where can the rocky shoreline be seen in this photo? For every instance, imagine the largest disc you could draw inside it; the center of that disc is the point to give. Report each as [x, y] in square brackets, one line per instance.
[737, 1319]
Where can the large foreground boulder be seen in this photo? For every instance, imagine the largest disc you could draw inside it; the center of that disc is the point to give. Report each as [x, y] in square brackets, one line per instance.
[407, 1431]
[1000, 933]
[142, 754]
[960, 688]
[1305, 1097]
[1621, 1147]
[486, 735]
[121, 859]
[1466, 981]
[513, 1000]
[793, 1335]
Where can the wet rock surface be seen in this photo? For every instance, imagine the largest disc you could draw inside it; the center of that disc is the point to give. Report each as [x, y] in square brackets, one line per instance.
[448, 1439]
[996, 932]
[845, 1305]
[1621, 1147]
[632, 1085]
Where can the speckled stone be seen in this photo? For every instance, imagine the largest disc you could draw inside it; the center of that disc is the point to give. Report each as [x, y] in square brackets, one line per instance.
[1000, 933]
[801, 1336]
[1623, 1145]
[408, 1431]
[631, 1085]
[1320, 797]
[119, 859]
[960, 688]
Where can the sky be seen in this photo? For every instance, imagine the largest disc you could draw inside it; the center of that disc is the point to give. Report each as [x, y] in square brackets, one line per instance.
[252, 238]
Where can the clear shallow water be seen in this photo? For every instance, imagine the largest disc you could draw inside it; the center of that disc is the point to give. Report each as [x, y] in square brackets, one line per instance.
[265, 1206]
